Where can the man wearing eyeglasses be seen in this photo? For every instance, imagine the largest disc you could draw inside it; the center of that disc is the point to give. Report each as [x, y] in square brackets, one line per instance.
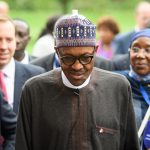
[76, 107]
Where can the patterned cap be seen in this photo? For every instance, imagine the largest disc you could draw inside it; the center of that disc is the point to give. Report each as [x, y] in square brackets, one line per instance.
[74, 30]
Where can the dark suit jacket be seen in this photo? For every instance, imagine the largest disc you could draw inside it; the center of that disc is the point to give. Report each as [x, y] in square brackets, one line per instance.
[31, 58]
[22, 73]
[121, 62]
[47, 62]
[103, 63]
[7, 125]
[122, 42]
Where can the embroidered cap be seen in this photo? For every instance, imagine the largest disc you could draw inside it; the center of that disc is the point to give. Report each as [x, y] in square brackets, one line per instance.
[74, 30]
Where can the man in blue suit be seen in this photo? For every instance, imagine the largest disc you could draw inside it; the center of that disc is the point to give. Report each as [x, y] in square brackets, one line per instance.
[23, 73]
[15, 73]
[8, 121]
[122, 41]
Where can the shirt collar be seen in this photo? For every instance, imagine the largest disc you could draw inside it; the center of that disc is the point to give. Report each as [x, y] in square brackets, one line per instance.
[67, 83]
[137, 29]
[9, 69]
[25, 60]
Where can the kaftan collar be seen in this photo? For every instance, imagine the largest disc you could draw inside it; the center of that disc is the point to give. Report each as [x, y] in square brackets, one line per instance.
[67, 83]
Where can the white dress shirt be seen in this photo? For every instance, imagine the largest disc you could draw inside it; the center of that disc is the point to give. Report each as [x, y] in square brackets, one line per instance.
[9, 75]
[25, 60]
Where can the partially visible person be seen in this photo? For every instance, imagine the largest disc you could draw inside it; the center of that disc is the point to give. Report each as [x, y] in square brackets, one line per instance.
[146, 137]
[22, 40]
[51, 62]
[45, 43]
[107, 29]
[148, 24]
[8, 121]
[76, 106]
[122, 61]
[142, 15]
[4, 8]
[139, 73]
[14, 73]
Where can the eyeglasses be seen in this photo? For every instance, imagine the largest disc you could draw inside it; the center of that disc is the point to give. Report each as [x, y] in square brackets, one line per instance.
[137, 50]
[70, 60]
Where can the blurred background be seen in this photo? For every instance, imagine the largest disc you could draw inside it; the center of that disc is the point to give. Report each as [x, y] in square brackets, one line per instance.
[36, 12]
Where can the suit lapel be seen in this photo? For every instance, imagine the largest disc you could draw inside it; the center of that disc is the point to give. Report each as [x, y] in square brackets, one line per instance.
[19, 81]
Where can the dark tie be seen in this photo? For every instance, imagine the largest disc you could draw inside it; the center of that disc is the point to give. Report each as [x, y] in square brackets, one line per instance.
[3, 86]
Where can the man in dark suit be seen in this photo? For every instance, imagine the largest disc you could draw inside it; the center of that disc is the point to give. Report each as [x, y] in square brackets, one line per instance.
[50, 62]
[15, 73]
[22, 40]
[142, 16]
[7, 125]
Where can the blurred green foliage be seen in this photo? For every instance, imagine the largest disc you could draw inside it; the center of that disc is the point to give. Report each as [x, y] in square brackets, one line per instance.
[36, 12]
[69, 4]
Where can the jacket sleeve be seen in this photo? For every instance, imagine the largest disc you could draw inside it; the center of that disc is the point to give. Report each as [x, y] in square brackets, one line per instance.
[23, 132]
[103, 63]
[8, 125]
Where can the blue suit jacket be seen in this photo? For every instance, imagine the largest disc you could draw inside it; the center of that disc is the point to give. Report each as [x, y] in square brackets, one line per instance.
[8, 121]
[22, 73]
[122, 42]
